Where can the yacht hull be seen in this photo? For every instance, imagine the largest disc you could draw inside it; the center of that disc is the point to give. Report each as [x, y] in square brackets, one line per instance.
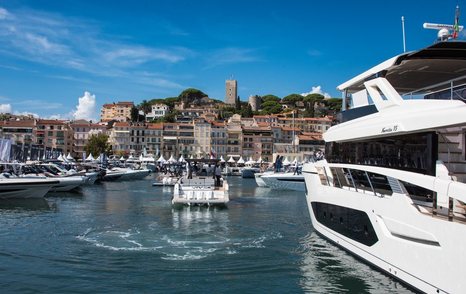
[25, 188]
[391, 234]
[284, 181]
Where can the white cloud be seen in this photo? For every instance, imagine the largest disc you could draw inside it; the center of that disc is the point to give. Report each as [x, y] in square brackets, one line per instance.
[86, 107]
[3, 13]
[26, 113]
[5, 108]
[232, 55]
[77, 44]
[317, 90]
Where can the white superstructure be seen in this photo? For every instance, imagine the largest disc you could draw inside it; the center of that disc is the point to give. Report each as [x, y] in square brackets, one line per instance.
[392, 187]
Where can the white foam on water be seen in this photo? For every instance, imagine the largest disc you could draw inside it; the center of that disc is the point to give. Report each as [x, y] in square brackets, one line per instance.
[194, 246]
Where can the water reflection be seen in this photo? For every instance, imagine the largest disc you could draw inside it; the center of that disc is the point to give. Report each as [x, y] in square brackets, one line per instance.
[328, 269]
[24, 204]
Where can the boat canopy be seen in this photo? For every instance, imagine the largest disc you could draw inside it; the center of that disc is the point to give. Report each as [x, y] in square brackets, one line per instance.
[418, 72]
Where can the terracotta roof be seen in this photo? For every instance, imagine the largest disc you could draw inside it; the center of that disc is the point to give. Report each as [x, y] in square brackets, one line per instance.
[125, 103]
[290, 129]
[17, 123]
[318, 119]
[307, 137]
[50, 122]
[107, 105]
[218, 123]
[121, 124]
[155, 126]
[263, 124]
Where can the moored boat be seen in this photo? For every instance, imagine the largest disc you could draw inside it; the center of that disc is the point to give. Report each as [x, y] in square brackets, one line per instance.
[391, 189]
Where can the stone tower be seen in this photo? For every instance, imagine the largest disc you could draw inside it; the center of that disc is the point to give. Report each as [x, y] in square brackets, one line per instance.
[231, 91]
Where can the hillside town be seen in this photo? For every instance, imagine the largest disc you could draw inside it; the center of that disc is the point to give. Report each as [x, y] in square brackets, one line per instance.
[193, 125]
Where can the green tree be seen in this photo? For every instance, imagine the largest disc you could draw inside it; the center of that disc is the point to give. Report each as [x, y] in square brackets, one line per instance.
[145, 106]
[97, 144]
[170, 117]
[191, 94]
[246, 111]
[292, 99]
[270, 97]
[271, 107]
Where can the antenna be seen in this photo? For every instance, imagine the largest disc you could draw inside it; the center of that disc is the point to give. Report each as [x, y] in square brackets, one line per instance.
[404, 34]
[445, 31]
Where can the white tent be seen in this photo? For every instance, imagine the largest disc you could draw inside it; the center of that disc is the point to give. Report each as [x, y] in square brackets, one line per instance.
[61, 157]
[191, 157]
[69, 157]
[231, 160]
[212, 156]
[141, 157]
[260, 160]
[241, 160]
[172, 159]
[90, 158]
[221, 159]
[161, 159]
[250, 161]
[286, 161]
[181, 159]
[295, 160]
[130, 157]
[122, 158]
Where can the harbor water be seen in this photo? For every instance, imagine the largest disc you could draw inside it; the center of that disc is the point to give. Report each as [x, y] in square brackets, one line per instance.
[127, 237]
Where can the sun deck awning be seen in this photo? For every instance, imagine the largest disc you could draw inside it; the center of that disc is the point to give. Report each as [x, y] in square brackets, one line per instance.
[422, 71]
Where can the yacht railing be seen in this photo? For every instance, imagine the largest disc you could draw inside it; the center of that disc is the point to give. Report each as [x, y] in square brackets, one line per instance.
[437, 196]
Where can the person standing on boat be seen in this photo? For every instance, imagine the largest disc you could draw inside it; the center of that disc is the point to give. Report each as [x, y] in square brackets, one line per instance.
[189, 170]
[218, 174]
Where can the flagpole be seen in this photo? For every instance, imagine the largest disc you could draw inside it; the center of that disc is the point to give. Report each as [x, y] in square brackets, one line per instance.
[404, 34]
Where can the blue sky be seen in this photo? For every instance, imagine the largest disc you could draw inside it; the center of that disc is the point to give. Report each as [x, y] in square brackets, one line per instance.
[54, 52]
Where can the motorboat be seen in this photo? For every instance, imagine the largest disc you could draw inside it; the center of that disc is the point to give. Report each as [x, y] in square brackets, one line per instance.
[283, 181]
[200, 190]
[125, 174]
[391, 188]
[248, 172]
[25, 187]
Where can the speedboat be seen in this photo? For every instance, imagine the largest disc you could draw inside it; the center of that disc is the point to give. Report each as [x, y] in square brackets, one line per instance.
[283, 181]
[392, 186]
[200, 191]
[125, 174]
[25, 187]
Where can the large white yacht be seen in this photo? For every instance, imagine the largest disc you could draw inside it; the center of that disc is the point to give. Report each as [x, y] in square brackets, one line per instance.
[391, 188]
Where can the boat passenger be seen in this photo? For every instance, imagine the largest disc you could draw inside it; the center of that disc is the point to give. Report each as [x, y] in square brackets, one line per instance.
[218, 175]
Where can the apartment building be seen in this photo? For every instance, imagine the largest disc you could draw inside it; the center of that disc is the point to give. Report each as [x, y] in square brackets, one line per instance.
[257, 142]
[54, 134]
[21, 131]
[218, 139]
[119, 111]
[81, 131]
[157, 111]
[154, 136]
[202, 138]
[119, 137]
[186, 139]
[234, 136]
[137, 138]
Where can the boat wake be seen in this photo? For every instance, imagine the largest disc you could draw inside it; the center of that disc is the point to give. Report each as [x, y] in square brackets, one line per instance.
[175, 245]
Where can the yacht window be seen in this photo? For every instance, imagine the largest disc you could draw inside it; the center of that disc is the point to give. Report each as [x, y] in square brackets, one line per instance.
[414, 152]
[360, 179]
[418, 193]
[336, 179]
[322, 176]
[380, 184]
